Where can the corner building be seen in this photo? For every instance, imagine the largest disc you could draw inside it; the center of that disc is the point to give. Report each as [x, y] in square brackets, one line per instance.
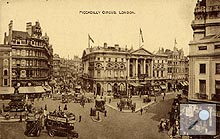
[31, 55]
[112, 69]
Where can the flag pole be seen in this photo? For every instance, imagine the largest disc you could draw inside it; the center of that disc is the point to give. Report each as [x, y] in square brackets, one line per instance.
[140, 38]
[88, 41]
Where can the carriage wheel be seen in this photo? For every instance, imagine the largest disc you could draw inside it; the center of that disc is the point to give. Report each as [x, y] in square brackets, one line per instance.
[38, 132]
[51, 133]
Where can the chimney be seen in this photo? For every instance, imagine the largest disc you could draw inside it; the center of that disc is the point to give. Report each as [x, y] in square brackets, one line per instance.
[10, 27]
[105, 45]
[117, 46]
[29, 28]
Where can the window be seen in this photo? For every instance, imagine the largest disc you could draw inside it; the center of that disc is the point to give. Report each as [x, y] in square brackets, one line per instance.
[217, 46]
[18, 42]
[202, 47]
[202, 86]
[5, 62]
[109, 59]
[18, 52]
[122, 59]
[161, 73]
[5, 72]
[115, 59]
[217, 68]
[5, 82]
[202, 68]
[98, 58]
[157, 73]
[217, 87]
[99, 74]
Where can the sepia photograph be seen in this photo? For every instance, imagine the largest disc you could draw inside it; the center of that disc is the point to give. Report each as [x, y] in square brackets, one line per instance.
[109, 69]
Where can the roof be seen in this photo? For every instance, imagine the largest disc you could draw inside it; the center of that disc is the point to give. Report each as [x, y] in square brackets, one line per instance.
[20, 34]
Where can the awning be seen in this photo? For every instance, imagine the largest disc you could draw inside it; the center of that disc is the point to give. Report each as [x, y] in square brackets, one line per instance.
[135, 84]
[163, 87]
[6, 90]
[182, 83]
[31, 89]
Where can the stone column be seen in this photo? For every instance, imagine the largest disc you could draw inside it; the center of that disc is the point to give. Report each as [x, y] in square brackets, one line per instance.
[128, 68]
[150, 69]
[136, 67]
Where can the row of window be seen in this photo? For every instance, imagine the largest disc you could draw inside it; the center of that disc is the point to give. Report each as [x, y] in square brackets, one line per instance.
[33, 42]
[34, 63]
[205, 47]
[202, 68]
[19, 52]
[158, 74]
[202, 86]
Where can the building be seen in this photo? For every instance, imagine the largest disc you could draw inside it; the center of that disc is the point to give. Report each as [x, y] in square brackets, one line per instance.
[5, 66]
[56, 65]
[204, 54]
[31, 55]
[204, 51]
[177, 66]
[160, 69]
[112, 69]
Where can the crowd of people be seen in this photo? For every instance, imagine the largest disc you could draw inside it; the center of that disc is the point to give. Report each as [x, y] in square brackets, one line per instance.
[172, 125]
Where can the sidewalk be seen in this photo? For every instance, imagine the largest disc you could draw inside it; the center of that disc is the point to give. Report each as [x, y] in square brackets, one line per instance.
[139, 102]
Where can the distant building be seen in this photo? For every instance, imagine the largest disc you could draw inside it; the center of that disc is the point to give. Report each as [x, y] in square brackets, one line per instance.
[56, 65]
[160, 68]
[31, 55]
[204, 52]
[5, 66]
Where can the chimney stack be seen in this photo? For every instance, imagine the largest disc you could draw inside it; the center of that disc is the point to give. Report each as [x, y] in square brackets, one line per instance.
[29, 28]
[10, 27]
[105, 45]
[117, 46]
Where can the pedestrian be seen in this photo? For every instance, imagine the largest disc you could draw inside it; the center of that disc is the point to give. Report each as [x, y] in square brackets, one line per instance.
[163, 98]
[141, 110]
[59, 108]
[20, 118]
[80, 118]
[45, 108]
[65, 107]
[105, 113]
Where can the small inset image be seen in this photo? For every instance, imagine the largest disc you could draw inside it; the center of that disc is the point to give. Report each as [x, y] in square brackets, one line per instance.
[197, 119]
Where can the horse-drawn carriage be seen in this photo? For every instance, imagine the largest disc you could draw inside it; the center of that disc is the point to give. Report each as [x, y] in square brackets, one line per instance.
[126, 103]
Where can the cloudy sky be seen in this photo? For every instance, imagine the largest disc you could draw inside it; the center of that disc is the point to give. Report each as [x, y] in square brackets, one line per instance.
[161, 22]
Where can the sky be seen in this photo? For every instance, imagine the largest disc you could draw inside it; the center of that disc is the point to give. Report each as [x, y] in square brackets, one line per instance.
[161, 22]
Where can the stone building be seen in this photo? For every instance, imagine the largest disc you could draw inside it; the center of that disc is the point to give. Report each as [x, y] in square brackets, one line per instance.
[31, 55]
[112, 69]
[56, 65]
[5, 66]
[204, 52]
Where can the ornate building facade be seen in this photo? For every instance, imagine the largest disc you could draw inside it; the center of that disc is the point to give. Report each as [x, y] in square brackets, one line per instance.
[204, 54]
[114, 69]
[31, 55]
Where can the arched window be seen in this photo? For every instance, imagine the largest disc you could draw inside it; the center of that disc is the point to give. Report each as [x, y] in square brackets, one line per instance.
[5, 72]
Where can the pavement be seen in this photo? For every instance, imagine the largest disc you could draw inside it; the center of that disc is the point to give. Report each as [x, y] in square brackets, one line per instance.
[137, 100]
